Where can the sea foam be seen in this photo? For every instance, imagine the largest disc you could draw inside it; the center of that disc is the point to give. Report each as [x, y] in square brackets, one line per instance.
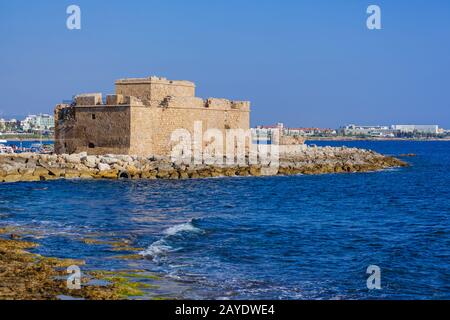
[161, 246]
[184, 227]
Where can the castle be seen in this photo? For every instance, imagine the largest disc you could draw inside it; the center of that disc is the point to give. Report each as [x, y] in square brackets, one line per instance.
[140, 118]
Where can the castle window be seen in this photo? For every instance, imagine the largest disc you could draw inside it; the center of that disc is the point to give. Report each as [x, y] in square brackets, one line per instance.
[91, 145]
[93, 116]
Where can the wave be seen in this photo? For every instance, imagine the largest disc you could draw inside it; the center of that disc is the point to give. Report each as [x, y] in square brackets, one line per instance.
[184, 227]
[161, 247]
[157, 249]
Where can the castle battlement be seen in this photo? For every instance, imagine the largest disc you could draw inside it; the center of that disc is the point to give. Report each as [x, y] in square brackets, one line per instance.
[156, 80]
[96, 100]
[154, 88]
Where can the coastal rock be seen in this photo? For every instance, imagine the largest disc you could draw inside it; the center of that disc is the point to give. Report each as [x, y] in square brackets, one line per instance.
[310, 160]
[103, 167]
[90, 161]
[73, 158]
[109, 160]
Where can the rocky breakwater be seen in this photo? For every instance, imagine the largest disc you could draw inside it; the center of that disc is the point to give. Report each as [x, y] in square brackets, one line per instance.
[313, 160]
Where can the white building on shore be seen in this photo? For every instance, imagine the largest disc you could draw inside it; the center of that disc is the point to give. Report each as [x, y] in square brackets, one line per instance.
[388, 131]
[42, 122]
[376, 131]
[410, 128]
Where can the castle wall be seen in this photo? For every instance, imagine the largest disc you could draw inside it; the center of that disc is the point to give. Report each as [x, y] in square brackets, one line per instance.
[153, 126]
[94, 129]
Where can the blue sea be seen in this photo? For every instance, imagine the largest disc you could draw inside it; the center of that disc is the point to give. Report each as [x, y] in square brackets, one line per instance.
[293, 237]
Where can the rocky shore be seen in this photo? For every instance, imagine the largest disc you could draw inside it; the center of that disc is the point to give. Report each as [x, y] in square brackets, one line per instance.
[24, 275]
[28, 276]
[313, 160]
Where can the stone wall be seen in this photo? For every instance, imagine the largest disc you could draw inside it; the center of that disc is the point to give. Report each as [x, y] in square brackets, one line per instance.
[183, 113]
[93, 129]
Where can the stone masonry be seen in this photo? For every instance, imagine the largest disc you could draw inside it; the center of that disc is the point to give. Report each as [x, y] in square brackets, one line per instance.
[140, 118]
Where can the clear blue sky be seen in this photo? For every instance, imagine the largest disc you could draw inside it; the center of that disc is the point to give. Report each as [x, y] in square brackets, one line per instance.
[304, 63]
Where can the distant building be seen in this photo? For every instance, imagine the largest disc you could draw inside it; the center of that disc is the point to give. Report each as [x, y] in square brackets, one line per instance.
[42, 122]
[374, 131]
[388, 131]
[304, 132]
[11, 125]
[411, 128]
[266, 134]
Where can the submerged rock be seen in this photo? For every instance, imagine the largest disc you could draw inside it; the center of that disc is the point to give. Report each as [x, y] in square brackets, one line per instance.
[28, 276]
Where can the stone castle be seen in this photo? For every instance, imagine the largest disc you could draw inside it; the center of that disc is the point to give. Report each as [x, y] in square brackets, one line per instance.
[140, 118]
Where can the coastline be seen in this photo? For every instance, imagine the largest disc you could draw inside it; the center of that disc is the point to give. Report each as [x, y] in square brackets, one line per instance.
[29, 276]
[374, 139]
[312, 160]
[339, 138]
[16, 139]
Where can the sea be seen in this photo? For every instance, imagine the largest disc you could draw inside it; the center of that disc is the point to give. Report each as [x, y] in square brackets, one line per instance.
[283, 237]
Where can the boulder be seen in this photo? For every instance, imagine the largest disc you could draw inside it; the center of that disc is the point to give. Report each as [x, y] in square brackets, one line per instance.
[103, 167]
[90, 161]
[109, 160]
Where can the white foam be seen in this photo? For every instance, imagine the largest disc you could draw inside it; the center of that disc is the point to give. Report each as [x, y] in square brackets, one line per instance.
[157, 248]
[161, 247]
[184, 227]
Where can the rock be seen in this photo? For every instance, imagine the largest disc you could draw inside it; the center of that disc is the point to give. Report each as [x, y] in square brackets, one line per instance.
[12, 178]
[255, 170]
[73, 158]
[86, 175]
[109, 160]
[162, 174]
[184, 175]
[193, 174]
[40, 172]
[90, 161]
[151, 174]
[103, 167]
[124, 158]
[71, 174]
[109, 174]
[26, 171]
[174, 175]
[133, 171]
[316, 160]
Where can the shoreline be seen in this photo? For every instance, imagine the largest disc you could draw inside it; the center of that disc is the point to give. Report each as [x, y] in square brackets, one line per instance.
[340, 138]
[311, 160]
[26, 139]
[29, 276]
[375, 139]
